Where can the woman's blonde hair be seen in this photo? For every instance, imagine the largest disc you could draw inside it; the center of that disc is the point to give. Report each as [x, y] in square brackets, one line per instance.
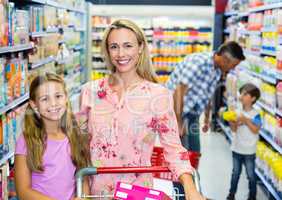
[144, 65]
[36, 137]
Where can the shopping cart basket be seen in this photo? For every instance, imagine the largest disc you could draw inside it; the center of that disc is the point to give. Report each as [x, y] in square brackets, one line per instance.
[157, 159]
[159, 170]
[112, 170]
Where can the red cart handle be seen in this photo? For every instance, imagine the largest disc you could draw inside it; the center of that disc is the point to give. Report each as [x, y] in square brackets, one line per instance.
[121, 170]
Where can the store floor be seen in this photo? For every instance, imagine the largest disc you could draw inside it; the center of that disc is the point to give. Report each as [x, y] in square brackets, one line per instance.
[215, 169]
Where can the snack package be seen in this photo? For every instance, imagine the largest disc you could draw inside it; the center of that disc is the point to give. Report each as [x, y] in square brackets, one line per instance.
[134, 192]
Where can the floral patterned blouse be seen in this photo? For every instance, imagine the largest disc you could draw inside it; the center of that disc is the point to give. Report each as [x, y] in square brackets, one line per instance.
[124, 131]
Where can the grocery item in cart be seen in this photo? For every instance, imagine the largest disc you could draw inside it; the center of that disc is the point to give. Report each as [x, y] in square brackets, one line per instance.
[133, 192]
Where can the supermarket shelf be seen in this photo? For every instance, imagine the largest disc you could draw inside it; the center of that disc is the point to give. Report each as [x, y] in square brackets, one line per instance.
[266, 107]
[6, 157]
[252, 53]
[97, 55]
[79, 29]
[279, 75]
[52, 30]
[58, 5]
[169, 54]
[106, 71]
[97, 38]
[77, 47]
[269, 29]
[267, 7]
[251, 32]
[38, 1]
[38, 34]
[43, 62]
[231, 13]
[272, 111]
[16, 48]
[225, 129]
[101, 26]
[268, 138]
[243, 31]
[265, 78]
[279, 112]
[268, 185]
[243, 14]
[268, 53]
[14, 104]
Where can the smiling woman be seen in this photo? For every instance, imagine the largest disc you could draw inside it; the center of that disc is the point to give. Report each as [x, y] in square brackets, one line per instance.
[127, 110]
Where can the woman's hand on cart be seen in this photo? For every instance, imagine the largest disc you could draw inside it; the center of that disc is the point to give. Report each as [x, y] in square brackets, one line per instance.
[194, 196]
[191, 192]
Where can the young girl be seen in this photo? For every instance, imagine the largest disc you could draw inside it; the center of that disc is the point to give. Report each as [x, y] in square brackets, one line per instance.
[51, 148]
[128, 110]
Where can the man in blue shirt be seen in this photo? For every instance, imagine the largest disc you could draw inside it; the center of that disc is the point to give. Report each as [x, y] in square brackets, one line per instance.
[194, 82]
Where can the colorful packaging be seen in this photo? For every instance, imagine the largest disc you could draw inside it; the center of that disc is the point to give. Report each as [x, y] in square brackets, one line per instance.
[279, 95]
[2, 80]
[1, 136]
[134, 192]
[11, 23]
[21, 27]
[3, 23]
[5, 134]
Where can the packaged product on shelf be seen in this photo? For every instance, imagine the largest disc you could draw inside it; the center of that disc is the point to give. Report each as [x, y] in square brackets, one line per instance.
[1, 136]
[2, 81]
[50, 17]
[9, 75]
[50, 45]
[4, 172]
[11, 23]
[270, 124]
[278, 133]
[5, 123]
[279, 95]
[3, 23]
[269, 164]
[12, 130]
[11, 186]
[268, 95]
[100, 21]
[63, 18]
[36, 18]
[21, 27]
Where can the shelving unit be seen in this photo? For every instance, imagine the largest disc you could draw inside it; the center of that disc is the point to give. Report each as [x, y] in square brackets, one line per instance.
[42, 62]
[269, 139]
[6, 157]
[259, 49]
[38, 59]
[14, 104]
[268, 185]
[17, 48]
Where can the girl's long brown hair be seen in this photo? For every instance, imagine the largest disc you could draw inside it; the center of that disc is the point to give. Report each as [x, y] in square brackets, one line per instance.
[36, 137]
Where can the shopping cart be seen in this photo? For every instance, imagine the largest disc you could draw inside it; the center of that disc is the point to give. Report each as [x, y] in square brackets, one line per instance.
[112, 170]
[159, 169]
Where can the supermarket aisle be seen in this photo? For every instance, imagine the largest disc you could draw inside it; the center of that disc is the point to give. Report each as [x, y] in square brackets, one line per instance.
[215, 169]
